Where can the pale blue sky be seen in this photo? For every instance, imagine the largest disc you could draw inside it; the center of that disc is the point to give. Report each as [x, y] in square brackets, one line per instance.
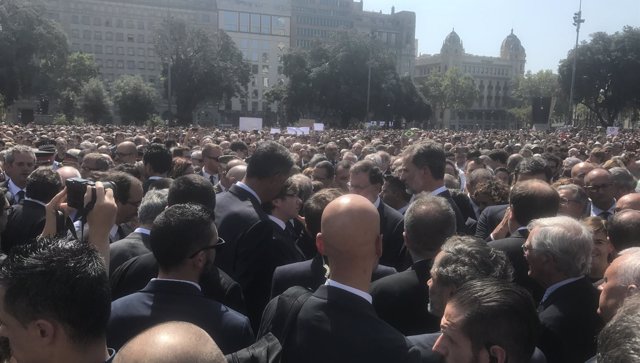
[544, 26]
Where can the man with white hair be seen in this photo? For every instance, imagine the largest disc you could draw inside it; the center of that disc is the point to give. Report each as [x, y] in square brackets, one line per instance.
[621, 280]
[558, 252]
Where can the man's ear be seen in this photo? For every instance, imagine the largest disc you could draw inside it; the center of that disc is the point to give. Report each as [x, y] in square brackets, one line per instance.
[44, 331]
[632, 289]
[320, 244]
[497, 354]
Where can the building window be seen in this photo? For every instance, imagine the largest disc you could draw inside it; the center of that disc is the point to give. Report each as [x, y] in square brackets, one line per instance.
[86, 34]
[255, 23]
[120, 37]
[86, 20]
[75, 34]
[141, 52]
[130, 24]
[265, 57]
[97, 35]
[75, 19]
[120, 50]
[265, 82]
[151, 65]
[108, 36]
[265, 69]
[109, 63]
[140, 24]
[131, 51]
[229, 20]
[130, 38]
[140, 38]
[151, 52]
[141, 65]
[88, 48]
[98, 49]
[108, 49]
[131, 65]
[254, 106]
[97, 22]
[119, 23]
[254, 68]
[107, 23]
[265, 21]
[120, 64]
[244, 22]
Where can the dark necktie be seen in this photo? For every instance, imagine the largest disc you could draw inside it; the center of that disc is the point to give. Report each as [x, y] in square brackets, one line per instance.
[19, 196]
[212, 179]
[604, 215]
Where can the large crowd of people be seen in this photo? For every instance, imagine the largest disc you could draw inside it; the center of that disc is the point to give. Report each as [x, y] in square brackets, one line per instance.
[130, 244]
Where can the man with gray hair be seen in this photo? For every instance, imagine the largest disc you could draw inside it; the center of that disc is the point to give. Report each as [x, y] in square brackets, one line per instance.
[621, 280]
[137, 242]
[623, 182]
[19, 162]
[400, 299]
[574, 201]
[558, 252]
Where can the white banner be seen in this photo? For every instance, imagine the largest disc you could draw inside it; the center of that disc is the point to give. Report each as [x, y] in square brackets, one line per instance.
[250, 123]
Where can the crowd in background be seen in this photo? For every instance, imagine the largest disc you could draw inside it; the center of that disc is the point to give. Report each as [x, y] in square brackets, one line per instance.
[414, 245]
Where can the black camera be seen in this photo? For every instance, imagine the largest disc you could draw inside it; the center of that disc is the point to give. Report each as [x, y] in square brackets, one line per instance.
[77, 187]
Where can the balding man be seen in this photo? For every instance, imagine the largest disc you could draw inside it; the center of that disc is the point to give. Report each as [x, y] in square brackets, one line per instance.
[621, 280]
[624, 229]
[629, 201]
[337, 323]
[599, 186]
[579, 171]
[126, 153]
[171, 342]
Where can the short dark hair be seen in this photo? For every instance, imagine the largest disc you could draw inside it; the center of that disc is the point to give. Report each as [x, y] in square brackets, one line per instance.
[290, 187]
[43, 184]
[123, 183]
[192, 188]
[158, 157]
[532, 199]
[368, 167]
[532, 166]
[238, 146]
[269, 159]
[428, 155]
[624, 229]
[428, 222]
[499, 156]
[178, 232]
[497, 312]
[130, 169]
[466, 258]
[315, 205]
[326, 165]
[58, 279]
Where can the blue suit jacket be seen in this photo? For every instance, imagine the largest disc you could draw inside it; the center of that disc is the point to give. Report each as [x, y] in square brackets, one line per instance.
[162, 301]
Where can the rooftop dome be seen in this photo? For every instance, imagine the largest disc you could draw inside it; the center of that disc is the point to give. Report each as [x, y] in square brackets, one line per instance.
[452, 42]
[510, 45]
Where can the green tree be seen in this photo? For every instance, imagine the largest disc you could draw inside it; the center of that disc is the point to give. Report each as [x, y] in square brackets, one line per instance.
[541, 84]
[449, 92]
[607, 79]
[95, 102]
[135, 99]
[78, 69]
[33, 50]
[205, 67]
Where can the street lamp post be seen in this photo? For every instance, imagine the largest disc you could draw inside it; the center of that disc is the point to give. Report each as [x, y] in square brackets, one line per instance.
[577, 20]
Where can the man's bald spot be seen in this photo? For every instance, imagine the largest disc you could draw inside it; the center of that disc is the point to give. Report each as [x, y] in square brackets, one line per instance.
[68, 172]
[237, 172]
[126, 147]
[171, 342]
[581, 168]
[628, 201]
[350, 225]
[597, 172]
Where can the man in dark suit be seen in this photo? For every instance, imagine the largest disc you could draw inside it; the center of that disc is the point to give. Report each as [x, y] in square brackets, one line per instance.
[135, 273]
[528, 200]
[401, 299]
[485, 318]
[558, 252]
[157, 164]
[423, 171]
[282, 209]
[466, 201]
[211, 154]
[26, 221]
[184, 241]
[366, 179]
[313, 273]
[137, 242]
[338, 323]
[19, 162]
[247, 228]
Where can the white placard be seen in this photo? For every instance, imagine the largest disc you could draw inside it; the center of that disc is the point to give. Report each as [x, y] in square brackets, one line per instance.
[250, 123]
[612, 131]
[305, 130]
[274, 131]
[319, 126]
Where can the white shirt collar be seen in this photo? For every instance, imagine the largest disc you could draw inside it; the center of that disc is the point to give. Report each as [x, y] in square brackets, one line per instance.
[595, 211]
[558, 285]
[113, 233]
[277, 220]
[13, 188]
[208, 176]
[439, 190]
[377, 202]
[174, 280]
[155, 177]
[248, 188]
[350, 289]
[142, 230]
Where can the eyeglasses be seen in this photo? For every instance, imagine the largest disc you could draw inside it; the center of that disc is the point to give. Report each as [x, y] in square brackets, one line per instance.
[596, 188]
[210, 247]
[357, 187]
[527, 248]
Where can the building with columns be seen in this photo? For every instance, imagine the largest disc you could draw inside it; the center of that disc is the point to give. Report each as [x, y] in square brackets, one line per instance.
[493, 76]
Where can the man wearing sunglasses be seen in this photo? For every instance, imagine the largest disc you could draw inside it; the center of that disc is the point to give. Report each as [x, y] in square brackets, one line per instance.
[184, 241]
[211, 163]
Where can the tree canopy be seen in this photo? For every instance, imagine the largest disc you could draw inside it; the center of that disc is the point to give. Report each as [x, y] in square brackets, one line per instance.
[329, 81]
[134, 98]
[205, 67]
[607, 78]
[544, 84]
[451, 91]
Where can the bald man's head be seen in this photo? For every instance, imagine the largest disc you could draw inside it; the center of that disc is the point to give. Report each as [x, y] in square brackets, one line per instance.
[171, 342]
[350, 234]
[579, 171]
[236, 173]
[628, 201]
